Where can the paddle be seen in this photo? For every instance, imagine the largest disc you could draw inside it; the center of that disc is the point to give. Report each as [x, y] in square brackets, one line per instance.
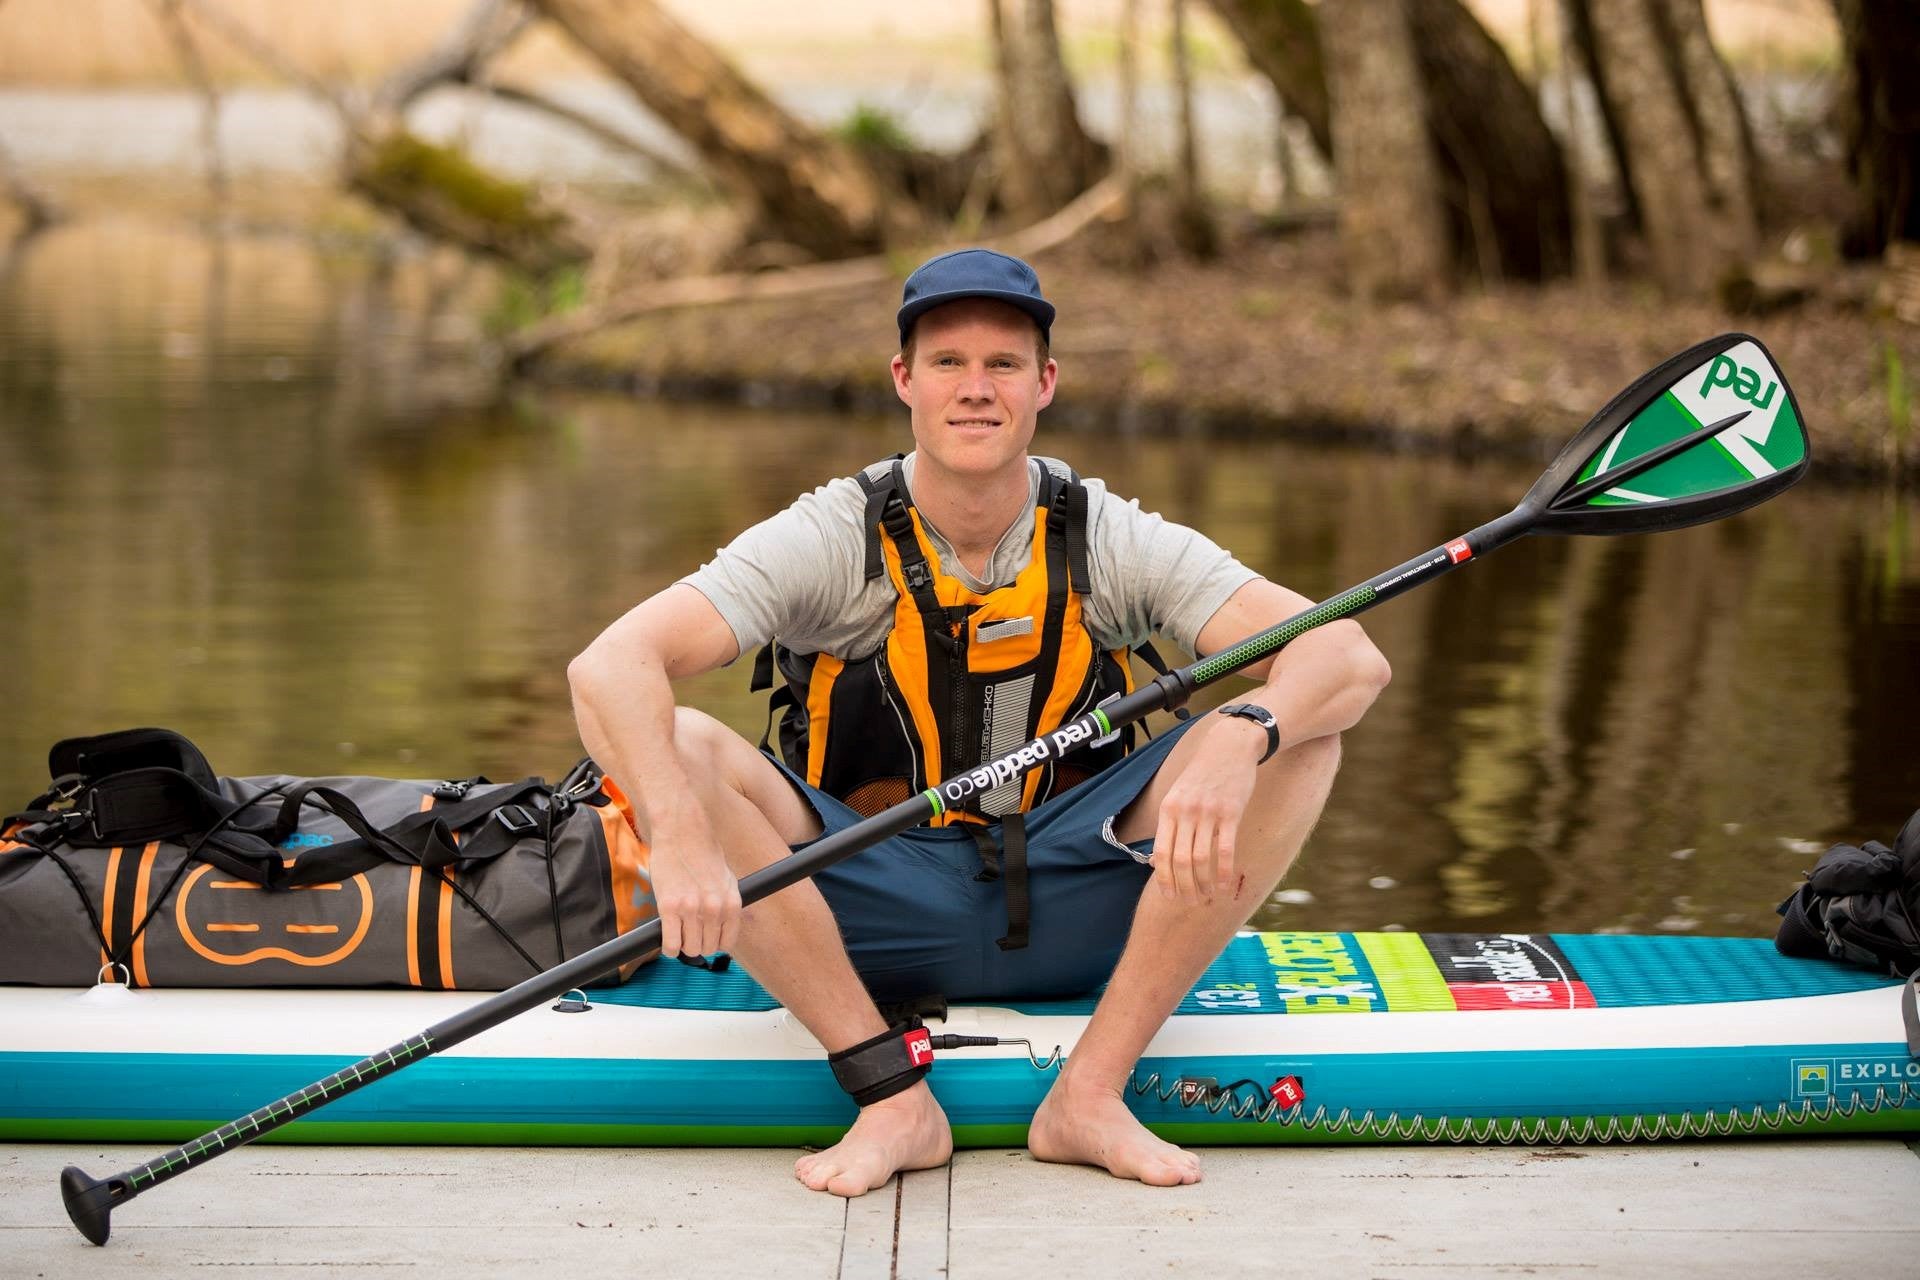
[1712, 431]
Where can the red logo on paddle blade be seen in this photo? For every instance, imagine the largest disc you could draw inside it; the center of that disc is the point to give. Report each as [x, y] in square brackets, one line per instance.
[1458, 550]
[1287, 1091]
[919, 1047]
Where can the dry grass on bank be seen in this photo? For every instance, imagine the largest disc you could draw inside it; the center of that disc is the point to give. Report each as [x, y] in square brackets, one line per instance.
[1265, 341]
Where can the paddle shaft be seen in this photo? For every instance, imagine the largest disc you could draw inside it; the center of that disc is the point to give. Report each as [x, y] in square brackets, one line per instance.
[1166, 692]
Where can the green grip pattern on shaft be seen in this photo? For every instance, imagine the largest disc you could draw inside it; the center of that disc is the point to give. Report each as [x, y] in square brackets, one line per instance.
[1257, 647]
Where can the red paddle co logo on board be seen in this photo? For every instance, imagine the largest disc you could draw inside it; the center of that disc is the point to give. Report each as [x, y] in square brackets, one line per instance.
[1507, 971]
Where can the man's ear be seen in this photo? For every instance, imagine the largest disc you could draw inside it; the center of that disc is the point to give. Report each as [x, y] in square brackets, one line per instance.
[902, 379]
[1049, 376]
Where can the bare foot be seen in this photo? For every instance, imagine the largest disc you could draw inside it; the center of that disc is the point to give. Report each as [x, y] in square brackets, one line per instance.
[1093, 1126]
[906, 1131]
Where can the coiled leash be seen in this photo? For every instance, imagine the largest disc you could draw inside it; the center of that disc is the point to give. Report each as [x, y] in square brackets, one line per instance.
[902, 1055]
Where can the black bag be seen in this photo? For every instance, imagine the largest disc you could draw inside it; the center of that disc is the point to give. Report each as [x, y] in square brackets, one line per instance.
[140, 864]
[1862, 906]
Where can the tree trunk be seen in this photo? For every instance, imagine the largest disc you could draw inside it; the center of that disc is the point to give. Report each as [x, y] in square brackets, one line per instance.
[1282, 41]
[1589, 254]
[1501, 175]
[1880, 119]
[1725, 138]
[1498, 171]
[1679, 136]
[1136, 248]
[1393, 227]
[1193, 220]
[1042, 155]
[812, 190]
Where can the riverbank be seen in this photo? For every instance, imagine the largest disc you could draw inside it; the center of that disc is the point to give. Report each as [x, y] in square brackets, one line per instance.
[1264, 342]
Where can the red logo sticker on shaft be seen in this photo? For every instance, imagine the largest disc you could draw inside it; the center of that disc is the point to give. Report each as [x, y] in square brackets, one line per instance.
[1458, 550]
[919, 1047]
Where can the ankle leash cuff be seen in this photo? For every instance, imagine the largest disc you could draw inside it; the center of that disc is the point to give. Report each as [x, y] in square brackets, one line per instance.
[896, 1059]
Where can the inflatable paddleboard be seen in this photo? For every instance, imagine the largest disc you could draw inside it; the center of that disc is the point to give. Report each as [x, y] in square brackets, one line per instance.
[1288, 1038]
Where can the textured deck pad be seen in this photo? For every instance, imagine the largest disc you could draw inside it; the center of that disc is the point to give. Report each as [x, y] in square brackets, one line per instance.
[1403, 973]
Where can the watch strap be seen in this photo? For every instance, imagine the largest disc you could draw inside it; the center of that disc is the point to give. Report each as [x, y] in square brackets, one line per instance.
[1261, 716]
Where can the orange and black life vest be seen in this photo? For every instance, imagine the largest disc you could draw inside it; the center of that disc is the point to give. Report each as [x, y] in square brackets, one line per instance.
[964, 676]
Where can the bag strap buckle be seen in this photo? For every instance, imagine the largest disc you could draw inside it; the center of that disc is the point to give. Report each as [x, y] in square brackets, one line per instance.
[517, 819]
[61, 794]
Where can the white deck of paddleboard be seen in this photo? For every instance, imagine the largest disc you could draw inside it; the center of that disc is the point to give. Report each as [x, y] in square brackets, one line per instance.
[1734, 1209]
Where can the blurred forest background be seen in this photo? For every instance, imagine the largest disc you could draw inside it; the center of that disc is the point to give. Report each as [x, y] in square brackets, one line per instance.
[1403, 220]
[347, 354]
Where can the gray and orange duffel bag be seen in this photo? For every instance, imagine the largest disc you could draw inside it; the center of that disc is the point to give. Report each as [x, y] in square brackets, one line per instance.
[140, 865]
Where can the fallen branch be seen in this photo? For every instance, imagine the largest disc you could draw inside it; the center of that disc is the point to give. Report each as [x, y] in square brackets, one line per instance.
[241, 37]
[662, 164]
[489, 27]
[438, 190]
[1104, 199]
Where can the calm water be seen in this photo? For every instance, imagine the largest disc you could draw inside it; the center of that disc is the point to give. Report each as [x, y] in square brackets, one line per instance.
[245, 501]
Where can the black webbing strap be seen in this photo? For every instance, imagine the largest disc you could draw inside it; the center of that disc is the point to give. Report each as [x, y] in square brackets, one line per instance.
[1151, 656]
[154, 803]
[893, 1061]
[898, 524]
[1007, 857]
[779, 702]
[878, 491]
[989, 851]
[1076, 503]
[1013, 837]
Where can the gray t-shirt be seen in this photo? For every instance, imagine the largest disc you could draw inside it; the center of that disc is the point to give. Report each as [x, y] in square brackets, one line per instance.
[799, 575]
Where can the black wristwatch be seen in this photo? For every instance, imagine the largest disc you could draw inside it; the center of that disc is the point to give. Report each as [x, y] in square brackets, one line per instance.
[1261, 716]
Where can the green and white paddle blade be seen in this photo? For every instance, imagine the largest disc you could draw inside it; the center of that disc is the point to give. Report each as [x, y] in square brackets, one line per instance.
[1712, 431]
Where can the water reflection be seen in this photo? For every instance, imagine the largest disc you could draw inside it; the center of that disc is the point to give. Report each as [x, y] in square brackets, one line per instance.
[250, 498]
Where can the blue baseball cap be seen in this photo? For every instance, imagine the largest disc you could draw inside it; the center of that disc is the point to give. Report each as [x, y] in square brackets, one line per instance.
[973, 273]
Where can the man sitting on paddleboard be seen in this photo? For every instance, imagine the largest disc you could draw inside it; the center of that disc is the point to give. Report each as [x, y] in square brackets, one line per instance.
[931, 614]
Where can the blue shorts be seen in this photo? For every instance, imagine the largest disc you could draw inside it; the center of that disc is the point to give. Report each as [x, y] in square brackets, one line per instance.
[918, 922]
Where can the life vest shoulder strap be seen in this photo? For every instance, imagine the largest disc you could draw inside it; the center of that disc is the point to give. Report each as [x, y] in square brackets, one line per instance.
[880, 484]
[1066, 501]
[887, 503]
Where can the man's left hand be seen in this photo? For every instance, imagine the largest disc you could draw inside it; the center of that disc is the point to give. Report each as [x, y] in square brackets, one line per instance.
[1200, 818]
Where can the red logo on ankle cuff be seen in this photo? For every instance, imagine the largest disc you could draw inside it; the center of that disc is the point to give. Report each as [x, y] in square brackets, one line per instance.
[919, 1047]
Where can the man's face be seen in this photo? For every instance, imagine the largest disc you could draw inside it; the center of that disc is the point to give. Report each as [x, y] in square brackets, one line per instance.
[976, 385]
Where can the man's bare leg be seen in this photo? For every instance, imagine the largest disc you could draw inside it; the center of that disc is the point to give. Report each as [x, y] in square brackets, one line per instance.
[1084, 1119]
[791, 945]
